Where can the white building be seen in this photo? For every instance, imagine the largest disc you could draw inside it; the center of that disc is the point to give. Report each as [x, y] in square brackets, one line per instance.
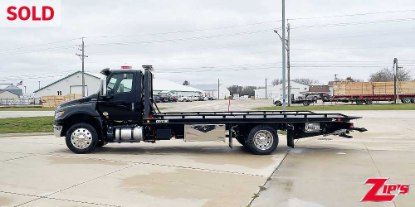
[71, 84]
[211, 90]
[7, 95]
[176, 89]
[297, 89]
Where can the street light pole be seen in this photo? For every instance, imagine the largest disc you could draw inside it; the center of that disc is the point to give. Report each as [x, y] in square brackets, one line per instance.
[289, 65]
[284, 96]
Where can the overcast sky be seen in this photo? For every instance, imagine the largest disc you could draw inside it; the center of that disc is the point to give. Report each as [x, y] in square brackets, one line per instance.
[203, 40]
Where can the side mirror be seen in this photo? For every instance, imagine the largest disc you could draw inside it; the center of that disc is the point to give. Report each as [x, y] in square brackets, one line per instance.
[103, 91]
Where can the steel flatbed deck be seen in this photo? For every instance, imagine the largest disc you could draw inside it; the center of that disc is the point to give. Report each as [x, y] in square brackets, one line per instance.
[247, 117]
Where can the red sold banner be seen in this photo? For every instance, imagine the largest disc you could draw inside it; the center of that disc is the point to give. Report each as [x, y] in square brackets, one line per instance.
[381, 192]
[30, 13]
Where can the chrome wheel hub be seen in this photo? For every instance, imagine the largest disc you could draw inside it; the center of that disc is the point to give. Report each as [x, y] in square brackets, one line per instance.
[81, 138]
[263, 139]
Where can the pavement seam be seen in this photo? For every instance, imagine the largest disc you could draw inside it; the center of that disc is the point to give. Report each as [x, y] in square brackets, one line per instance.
[17, 158]
[200, 169]
[51, 198]
[377, 169]
[268, 178]
[171, 166]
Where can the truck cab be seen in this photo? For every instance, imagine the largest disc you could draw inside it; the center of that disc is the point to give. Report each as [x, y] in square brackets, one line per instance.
[94, 120]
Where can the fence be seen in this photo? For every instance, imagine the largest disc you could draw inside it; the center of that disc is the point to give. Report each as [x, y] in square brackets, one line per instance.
[20, 102]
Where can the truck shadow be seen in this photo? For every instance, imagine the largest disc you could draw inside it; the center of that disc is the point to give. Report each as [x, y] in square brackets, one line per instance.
[187, 150]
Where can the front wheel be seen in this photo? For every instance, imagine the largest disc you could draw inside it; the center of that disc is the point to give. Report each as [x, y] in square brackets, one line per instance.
[81, 138]
[262, 140]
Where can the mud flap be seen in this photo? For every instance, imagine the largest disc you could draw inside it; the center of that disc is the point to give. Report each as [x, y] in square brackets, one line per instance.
[290, 136]
[230, 137]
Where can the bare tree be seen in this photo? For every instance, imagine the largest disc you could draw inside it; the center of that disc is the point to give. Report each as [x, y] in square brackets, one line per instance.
[386, 74]
[276, 82]
[305, 81]
[235, 89]
[350, 79]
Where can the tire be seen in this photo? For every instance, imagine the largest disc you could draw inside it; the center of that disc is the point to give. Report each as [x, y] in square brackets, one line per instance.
[359, 102]
[412, 100]
[306, 103]
[256, 143]
[278, 103]
[81, 138]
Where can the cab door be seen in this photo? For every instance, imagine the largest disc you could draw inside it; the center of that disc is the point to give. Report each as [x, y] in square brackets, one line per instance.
[120, 104]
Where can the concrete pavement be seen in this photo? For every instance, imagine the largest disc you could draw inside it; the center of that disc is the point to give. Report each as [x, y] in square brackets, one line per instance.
[41, 171]
[332, 172]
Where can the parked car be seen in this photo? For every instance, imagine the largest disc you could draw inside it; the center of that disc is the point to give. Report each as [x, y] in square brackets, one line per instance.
[173, 99]
[165, 97]
[185, 99]
[156, 98]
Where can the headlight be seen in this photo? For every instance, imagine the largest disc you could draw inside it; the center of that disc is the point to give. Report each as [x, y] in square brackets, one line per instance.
[59, 114]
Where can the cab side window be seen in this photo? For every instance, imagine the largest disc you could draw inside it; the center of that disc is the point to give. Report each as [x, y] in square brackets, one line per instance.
[120, 84]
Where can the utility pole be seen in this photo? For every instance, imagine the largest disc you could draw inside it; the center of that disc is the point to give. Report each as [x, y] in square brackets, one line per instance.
[39, 84]
[82, 55]
[288, 65]
[284, 96]
[266, 88]
[218, 89]
[396, 80]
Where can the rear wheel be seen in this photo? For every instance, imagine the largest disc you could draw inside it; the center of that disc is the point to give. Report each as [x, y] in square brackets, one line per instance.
[262, 140]
[306, 103]
[81, 138]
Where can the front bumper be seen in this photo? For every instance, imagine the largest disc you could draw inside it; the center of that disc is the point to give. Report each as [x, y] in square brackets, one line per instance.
[57, 130]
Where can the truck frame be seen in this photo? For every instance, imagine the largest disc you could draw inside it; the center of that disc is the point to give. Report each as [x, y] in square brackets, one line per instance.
[124, 111]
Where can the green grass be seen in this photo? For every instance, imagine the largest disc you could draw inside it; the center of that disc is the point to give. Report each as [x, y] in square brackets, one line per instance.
[346, 107]
[26, 125]
[26, 109]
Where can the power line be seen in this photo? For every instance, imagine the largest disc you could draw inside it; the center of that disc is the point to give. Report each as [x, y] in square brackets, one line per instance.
[354, 23]
[187, 31]
[352, 15]
[36, 51]
[184, 39]
[35, 45]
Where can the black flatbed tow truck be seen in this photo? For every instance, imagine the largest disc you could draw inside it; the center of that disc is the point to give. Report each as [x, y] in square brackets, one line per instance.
[124, 111]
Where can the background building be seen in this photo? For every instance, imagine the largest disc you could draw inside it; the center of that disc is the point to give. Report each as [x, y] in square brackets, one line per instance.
[12, 90]
[8, 95]
[71, 84]
[211, 90]
[175, 89]
[272, 92]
